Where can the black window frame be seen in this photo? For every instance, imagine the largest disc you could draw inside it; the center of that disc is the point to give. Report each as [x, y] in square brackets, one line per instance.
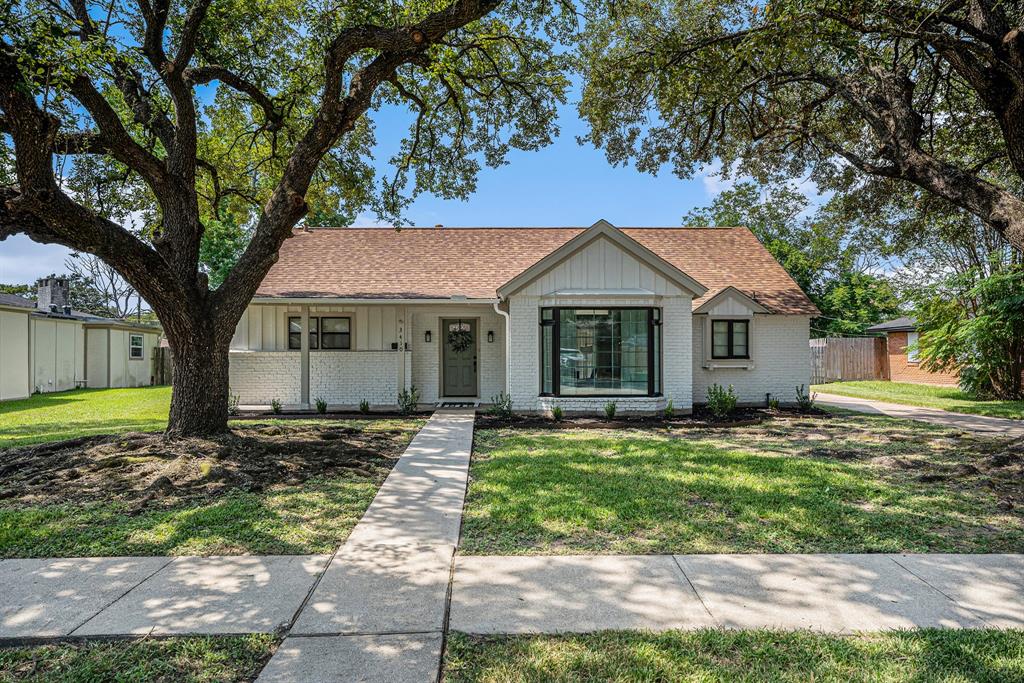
[654, 365]
[730, 323]
[313, 331]
[346, 335]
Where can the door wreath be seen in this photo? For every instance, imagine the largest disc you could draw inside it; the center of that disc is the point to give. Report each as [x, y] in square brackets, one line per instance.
[460, 340]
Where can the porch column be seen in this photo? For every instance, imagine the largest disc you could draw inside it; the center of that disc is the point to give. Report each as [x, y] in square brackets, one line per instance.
[304, 359]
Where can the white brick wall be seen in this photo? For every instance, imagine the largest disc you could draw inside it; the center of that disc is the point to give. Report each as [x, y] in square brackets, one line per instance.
[257, 377]
[344, 378]
[781, 361]
[676, 371]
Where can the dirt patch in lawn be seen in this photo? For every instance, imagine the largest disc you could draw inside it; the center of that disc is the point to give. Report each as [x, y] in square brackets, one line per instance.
[150, 469]
[701, 418]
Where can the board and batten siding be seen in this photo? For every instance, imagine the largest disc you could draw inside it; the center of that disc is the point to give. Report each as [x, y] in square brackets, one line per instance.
[264, 327]
[108, 364]
[600, 265]
[15, 369]
[58, 356]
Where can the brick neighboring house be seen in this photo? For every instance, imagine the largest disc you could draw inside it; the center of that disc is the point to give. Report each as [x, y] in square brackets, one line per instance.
[904, 366]
[569, 317]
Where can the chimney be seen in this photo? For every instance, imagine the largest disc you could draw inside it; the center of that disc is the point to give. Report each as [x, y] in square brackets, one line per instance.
[438, 226]
[53, 294]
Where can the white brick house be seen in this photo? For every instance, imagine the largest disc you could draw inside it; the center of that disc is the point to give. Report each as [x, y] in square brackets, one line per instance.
[551, 316]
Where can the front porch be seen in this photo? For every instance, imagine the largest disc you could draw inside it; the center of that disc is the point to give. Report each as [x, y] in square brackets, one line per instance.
[382, 350]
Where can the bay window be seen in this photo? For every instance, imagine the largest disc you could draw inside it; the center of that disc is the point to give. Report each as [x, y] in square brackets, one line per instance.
[603, 351]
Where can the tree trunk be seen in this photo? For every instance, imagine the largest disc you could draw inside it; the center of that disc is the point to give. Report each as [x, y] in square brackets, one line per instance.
[199, 399]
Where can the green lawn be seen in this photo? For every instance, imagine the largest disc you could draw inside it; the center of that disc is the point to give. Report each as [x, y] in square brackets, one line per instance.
[313, 517]
[191, 659]
[923, 656]
[841, 484]
[944, 398]
[82, 412]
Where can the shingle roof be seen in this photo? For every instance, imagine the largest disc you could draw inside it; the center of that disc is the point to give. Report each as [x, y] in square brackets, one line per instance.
[15, 301]
[439, 263]
[904, 324]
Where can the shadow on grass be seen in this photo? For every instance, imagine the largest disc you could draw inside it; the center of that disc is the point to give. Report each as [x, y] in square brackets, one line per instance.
[919, 655]
[294, 520]
[606, 492]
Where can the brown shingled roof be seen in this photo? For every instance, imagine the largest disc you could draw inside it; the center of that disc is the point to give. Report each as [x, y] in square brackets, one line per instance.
[439, 263]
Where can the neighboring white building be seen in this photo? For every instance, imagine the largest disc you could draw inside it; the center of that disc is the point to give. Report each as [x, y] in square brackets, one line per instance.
[566, 317]
[47, 346]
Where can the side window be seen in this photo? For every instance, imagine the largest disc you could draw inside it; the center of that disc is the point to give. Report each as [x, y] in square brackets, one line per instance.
[912, 347]
[136, 350]
[730, 339]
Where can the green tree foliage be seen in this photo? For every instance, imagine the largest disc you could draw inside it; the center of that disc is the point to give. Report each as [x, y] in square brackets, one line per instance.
[973, 324]
[924, 93]
[26, 291]
[828, 256]
[182, 141]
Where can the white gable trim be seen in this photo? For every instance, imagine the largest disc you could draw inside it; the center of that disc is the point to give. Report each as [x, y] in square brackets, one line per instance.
[603, 229]
[733, 294]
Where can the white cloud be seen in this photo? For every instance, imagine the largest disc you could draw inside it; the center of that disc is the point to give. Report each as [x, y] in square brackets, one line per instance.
[23, 261]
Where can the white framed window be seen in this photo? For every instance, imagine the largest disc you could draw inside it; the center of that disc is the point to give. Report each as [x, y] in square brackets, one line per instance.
[912, 338]
[135, 347]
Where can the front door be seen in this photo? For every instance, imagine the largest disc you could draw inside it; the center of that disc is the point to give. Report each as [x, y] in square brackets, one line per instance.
[459, 362]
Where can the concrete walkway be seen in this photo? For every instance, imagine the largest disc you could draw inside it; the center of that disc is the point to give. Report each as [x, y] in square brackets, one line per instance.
[979, 424]
[379, 611]
[114, 596]
[830, 593]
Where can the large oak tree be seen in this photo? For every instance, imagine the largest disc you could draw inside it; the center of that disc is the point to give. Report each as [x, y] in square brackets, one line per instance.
[924, 92]
[245, 116]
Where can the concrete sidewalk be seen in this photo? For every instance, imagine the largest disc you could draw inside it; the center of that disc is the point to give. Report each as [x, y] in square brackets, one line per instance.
[830, 593]
[114, 596]
[378, 613]
[979, 424]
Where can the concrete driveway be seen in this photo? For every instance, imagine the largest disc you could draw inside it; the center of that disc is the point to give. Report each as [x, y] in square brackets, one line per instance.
[978, 424]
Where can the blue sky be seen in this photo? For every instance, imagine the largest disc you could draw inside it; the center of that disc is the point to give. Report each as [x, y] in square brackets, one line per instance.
[563, 184]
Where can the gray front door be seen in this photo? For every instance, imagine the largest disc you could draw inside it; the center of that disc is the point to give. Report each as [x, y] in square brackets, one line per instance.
[459, 357]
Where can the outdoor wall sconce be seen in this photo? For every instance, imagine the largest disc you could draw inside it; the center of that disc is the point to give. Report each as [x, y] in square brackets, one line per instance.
[426, 337]
[490, 336]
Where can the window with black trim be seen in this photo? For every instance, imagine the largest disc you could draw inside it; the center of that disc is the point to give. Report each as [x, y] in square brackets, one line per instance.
[335, 333]
[295, 333]
[606, 351]
[730, 339]
[135, 347]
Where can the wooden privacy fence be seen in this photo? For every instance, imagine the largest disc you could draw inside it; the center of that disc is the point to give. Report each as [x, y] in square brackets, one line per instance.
[161, 365]
[838, 359]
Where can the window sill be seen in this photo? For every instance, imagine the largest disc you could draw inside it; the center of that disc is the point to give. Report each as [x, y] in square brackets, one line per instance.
[729, 364]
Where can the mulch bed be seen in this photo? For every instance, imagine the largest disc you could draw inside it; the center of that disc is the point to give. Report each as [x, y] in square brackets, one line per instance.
[144, 469]
[700, 419]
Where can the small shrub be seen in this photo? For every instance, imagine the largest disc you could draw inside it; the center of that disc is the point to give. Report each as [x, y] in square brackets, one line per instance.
[364, 406]
[721, 401]
[233, 404]
[501, 406]
[321, 406]
[609, 410]
[557, 414]
[805, 399]
[408, 400]
[670, 410]
[773, 403]
[275, 406]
